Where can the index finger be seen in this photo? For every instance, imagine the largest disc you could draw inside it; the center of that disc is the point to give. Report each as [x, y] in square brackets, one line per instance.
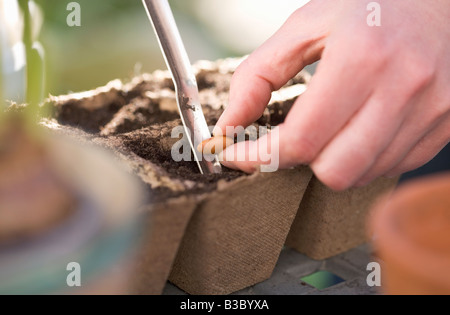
[297, 44]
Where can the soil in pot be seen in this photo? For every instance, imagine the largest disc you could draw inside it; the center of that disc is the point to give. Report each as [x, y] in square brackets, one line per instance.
[137, 118]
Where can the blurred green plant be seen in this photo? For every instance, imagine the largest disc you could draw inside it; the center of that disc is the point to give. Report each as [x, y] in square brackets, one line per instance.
[12, 85]
[34, 58]
[21, 63]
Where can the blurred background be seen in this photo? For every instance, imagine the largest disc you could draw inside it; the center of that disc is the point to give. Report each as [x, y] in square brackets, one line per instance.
[116, 39]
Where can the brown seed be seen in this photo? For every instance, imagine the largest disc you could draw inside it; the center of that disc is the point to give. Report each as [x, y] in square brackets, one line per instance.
[215, 145]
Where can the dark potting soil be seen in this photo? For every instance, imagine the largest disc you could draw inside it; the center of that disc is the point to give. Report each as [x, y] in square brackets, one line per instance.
[154, 144]
[139, 117]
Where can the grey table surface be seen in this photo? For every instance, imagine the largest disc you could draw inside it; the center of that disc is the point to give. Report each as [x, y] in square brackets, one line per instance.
[292, 266]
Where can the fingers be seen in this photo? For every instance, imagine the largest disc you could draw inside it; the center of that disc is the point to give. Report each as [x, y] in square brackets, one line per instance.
[352, 151]
[269, 153]
[250, 156]
[237, 157]
[425, 150]
[413, 130]
[356, 148]
[298, 43]
[391, 117]
[429, 109]
[338, 90]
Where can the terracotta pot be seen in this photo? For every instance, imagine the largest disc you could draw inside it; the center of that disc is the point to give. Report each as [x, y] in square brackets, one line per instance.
[411, 232]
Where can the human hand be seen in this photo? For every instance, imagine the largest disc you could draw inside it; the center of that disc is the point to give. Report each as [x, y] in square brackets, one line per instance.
[379, 103]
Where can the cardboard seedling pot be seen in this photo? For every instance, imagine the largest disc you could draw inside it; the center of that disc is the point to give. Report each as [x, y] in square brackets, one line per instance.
[330, 222]
[212, 235]
[236, 234]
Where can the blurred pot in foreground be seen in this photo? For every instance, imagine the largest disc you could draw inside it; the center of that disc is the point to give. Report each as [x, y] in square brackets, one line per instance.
[62, 204]
[411, 233]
